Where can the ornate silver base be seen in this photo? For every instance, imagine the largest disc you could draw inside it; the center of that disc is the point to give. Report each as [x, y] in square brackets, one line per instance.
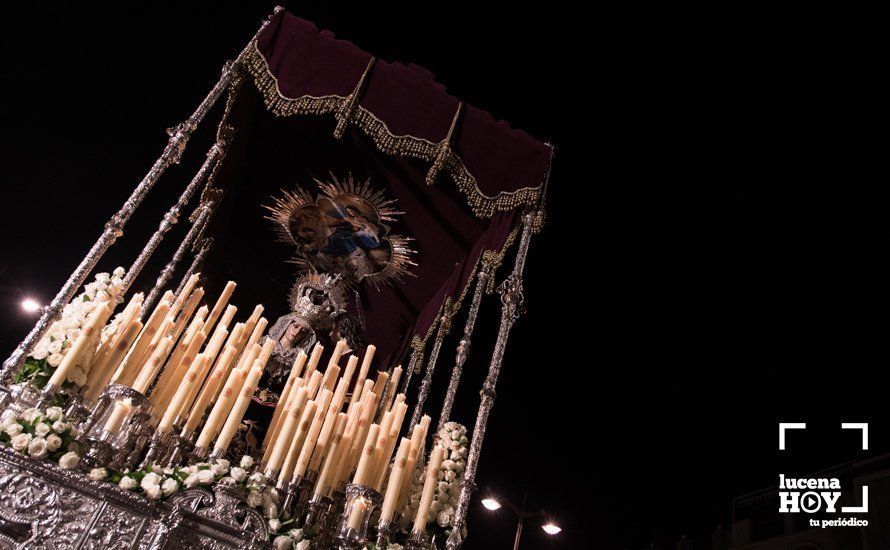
[418, 540]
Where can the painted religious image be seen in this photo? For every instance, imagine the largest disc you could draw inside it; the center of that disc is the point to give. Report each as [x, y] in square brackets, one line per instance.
[343, 231]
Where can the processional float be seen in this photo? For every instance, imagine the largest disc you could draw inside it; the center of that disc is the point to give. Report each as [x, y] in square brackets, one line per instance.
[166, 424]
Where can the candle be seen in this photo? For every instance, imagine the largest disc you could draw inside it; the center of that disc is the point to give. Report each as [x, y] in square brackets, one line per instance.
[322, 444]
[417, 439]
[392, 387]
[134, 357]
[429, 488]
[133, 308]
[395, 482]
[118, 414]
[208, 390]
[249, 356]
[193, 328]
[380, 384]
[379, 461]
[314, 358]
[359, 507]
[222, 407]
[392, 437]
[313, 435]
[185, 293]
[285, 394]
[363, 372]
[315, 383]
[101, 372]
[234, 419]
[182, 391]
[81, 345]
[166, 387]
[305, 424]
[350, 368]
[331, 458]
[221, 303]
[216, 340]
[266, 351]
[339, 349]
[282, 440]
[330, 377]
[365, 464]
[150, 369]
[183, 319]
[255, 335]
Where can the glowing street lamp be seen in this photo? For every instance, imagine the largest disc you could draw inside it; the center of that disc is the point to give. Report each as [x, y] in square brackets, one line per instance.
[493, 504]
[30, 305]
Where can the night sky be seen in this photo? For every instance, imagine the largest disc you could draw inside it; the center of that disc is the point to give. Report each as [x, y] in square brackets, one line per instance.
[714, 259]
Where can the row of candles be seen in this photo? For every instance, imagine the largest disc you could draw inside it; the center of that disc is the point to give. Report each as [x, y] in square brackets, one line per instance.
[326, 428]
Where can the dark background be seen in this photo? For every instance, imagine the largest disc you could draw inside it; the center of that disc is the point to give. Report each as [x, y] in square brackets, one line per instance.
[714, 259]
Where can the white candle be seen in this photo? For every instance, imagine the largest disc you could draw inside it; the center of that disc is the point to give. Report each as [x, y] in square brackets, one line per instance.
[285, 395]
[150, 370]
[179, 398]
[234, 419]
[363, 372]
[395, 482]
[283, 438]
[222, 407]
[221, 303]
[87, 338]
[118, 414]
[429, 488]
[313, 435]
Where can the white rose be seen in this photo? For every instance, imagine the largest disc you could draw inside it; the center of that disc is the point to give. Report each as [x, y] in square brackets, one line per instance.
[118, 272]
[254, 499]
[190, 481]
[53, 442]
[40, 353]
[238, 474]
[20, 442]
[41, 429]
[150, 480]
[69, 461]
[274, 525]
[55, 346]
[463, 441]
[13, 429]
[30, 415]
[98, 474]
[448, 464]
[218, 470]
[270, 509]
[246, 462]
[434, 509]
[103, 278]
[394, 546]
[128, 483]
[205, 476]
[153, 492]
[443, 519]
[455, 435]
[54, 413]
[454, 445]
[450, 476]
[296, 534]
[54, 359]
[257, 477]
[223, 463]
[443, 498]
[77, 376]
[59, 426]
[281, 542]
[304, 545]
[169, 486]
[37, 447]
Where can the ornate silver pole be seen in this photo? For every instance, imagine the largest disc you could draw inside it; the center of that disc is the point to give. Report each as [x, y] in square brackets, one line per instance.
[417, 347]
[197, 261]
[512, 306]
[463, 347]
[200, 217]
[214, 155]
[423, 393]
[179, 137]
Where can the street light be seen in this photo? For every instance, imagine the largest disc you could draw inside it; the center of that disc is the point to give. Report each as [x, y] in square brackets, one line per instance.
[30, 305]
[550, 528]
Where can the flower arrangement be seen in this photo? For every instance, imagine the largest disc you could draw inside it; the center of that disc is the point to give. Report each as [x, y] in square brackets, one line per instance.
[51, 349]
[41, 434]
[453, 437]
[156, 483]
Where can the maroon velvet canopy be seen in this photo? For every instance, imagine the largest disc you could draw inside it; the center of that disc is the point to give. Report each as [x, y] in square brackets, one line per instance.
[458, 175]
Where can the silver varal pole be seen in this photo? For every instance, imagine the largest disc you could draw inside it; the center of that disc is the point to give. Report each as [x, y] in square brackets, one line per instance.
[179, 137]
[424, 391]
[512, 300]
[463, 347]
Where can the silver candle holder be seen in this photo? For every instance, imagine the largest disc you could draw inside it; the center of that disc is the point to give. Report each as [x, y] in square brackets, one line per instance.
[120, 449]
[419, 540]
[361, 501]
[385, 532]
[158, 448]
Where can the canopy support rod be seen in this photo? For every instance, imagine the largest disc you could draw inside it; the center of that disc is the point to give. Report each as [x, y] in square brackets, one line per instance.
[423, 393]
[512, 300]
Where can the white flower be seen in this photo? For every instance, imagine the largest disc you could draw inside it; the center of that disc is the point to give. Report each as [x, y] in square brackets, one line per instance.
[254, 499]
[455, 435]
[37, 447]
[450, 476]
[448, 464]
[20, 442]
[53, 442]
[78, 376]
[443, 519]
[54, 413]
[55, 346]
[222, 463]
[69, 461]
[219, 469]
[118, 272]
[205, 476]
[153, 492]
[98, 474]
[169, 486]
[274, 525]
[246, 462]
[257, 477]
[40, 352]
[55, 359]
[270, 509]
[281, 542]
[394, 546]
[238, 474]
[103, 278]
[443, 498]
[128, 483]
[59, 426]
[41, 429]
[296, 534]
[304, 545]
[30, 415]
[190, 481]
[14, 429]
[150, 480]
